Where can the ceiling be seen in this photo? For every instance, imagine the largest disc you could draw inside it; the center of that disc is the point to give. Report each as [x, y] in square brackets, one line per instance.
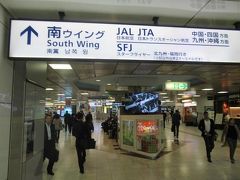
[122, 75]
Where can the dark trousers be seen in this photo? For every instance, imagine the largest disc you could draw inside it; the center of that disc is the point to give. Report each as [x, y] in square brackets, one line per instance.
[57, 135]
[232, 147]
[70, 128]
[209, 143]
[50, 165]
[65, 125]
[81, 153]
[176, 130]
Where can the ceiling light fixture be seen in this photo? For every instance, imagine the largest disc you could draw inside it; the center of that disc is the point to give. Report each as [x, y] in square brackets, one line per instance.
[98, 80]
[69, 97]
[60, 94]
[222, 92]
[60, 66]
[196, 95]
[49, 89]
[84, 94]
[207, 89]
[180, 94]
[48, 99]
[109, 84]
[163, 93]
[165, 97]
[186, 100]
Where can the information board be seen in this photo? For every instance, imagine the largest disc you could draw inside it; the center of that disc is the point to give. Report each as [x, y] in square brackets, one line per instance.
[75, 40]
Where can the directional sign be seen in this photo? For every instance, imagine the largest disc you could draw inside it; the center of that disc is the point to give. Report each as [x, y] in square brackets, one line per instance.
[74, 40]
[29, 30]
[176, 86]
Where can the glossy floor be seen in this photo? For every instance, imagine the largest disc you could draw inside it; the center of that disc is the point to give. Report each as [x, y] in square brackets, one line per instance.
[184, 161]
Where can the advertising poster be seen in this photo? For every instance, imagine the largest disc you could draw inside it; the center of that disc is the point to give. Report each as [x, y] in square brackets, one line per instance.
[128, 133]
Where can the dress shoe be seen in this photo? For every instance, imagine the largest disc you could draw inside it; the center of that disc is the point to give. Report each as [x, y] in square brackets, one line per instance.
[51, 173]
[82, 170]
[209, 160]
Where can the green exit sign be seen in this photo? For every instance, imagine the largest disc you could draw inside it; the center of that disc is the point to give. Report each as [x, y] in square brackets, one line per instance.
[176, 86]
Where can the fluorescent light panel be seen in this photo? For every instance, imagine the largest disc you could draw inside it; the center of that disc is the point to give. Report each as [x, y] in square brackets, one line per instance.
[109, 84]
[222, 92]
[49, 89]
[60, 66]
[163, 93]
[60, 94]
[84, 93]
[196, 95]
[207, 89]
[98, 80]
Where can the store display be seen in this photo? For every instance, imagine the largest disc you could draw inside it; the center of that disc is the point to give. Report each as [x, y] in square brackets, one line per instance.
[128, 133]
[147, 126]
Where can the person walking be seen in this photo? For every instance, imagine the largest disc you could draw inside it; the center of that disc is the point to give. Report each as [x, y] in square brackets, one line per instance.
[89, 125]
[207, 127]
[80, 132]
[230, 135]
[67, 118]
[175, 124]
[49, 143]
[58, 126]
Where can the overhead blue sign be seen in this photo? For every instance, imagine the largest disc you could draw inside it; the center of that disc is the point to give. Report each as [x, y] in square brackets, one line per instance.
[73, 40]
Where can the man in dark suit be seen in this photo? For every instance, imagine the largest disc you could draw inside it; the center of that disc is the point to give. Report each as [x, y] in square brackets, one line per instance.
[49, 143]
[206, 126]
[80, 132]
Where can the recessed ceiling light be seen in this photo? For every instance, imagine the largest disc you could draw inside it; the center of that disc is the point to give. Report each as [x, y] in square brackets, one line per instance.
[196, 95]
[98, 80]
[49, 89]
[60, 66]
[207, 89]
[222, 92]
[109, 84]
[84, 93]
[60, 94]
[163, 93]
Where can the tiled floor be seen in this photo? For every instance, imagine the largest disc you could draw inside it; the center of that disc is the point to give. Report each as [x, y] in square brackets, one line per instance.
[184, 161]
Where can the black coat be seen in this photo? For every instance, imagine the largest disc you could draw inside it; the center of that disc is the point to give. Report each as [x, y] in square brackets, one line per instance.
[176, 119]
[49, 145]
[201, 127]
[80, 132]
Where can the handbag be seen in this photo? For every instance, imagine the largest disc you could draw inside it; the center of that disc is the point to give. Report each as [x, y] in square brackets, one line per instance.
[91, 144]
[55, 155]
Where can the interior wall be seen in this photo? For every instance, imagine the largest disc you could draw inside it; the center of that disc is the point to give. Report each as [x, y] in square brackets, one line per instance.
[6, 78]
[202, 103]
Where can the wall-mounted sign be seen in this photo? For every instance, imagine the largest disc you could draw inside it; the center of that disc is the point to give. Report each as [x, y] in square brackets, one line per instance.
[176, 86]
[73, 40]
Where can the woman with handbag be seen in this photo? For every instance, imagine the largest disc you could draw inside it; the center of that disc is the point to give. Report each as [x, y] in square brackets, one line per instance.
[80, 132]
[230, 135]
